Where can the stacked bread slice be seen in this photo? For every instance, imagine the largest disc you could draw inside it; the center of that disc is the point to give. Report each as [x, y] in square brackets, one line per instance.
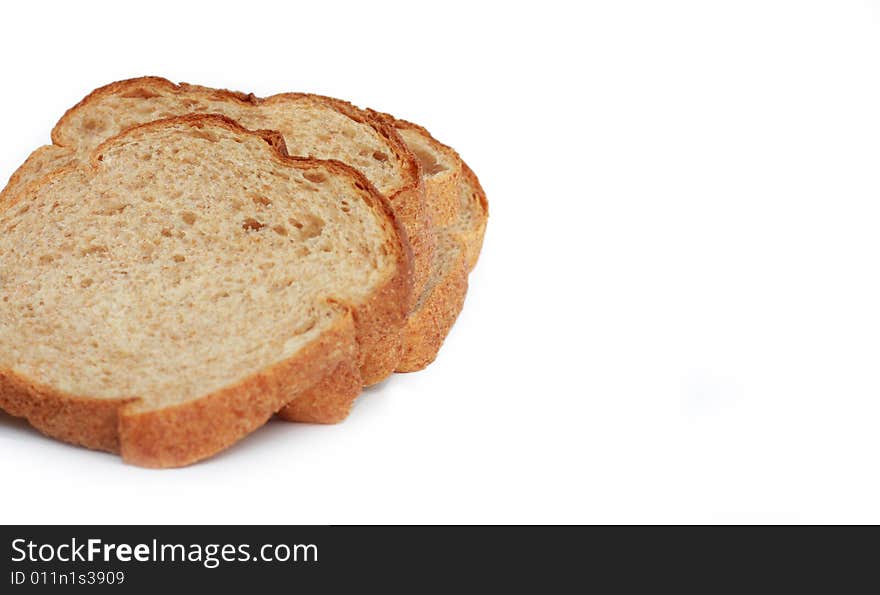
[170, 276]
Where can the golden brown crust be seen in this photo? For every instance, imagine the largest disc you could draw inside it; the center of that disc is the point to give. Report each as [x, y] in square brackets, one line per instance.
[439, 305]
[472, 238]
[441, 191]
[93, 423]
[329, 401]
[419, 233]
[430, 323]
[182, 434]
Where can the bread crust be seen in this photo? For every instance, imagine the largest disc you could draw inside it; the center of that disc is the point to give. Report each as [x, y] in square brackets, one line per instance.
[361, 338]
[435, 314]
[441, 191]
[472, 237]
[439, 305]
[329, 401]
[194, 430]
[183, 434]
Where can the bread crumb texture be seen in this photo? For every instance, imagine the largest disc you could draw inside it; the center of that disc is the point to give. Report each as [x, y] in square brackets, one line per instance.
[180, 259]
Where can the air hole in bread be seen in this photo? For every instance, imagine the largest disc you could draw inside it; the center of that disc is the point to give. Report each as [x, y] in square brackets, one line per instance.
[280, 230]
[315, 176]
[282, 284]
[430, 165]
[188, 217]
[261, 201]
[166, 231]
[46, 259]
[86, 282]
[251, 224]
[204, 135]
[93, 125]
[309, 225]
[178, 258]
[139, 93]
[110, 210]
[380, 156]
[97, 250]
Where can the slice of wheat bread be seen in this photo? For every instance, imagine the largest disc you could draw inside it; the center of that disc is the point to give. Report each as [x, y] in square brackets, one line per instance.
[312, 125]
[167, 295]
[471, 226]
[460, 220]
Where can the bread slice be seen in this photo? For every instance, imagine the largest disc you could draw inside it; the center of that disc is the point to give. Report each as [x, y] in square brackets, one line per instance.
[460, 212]
[453, 205]
[165, 296]
[311, 125]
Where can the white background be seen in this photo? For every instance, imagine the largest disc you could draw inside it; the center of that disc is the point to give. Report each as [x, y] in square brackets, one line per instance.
[676, 316]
